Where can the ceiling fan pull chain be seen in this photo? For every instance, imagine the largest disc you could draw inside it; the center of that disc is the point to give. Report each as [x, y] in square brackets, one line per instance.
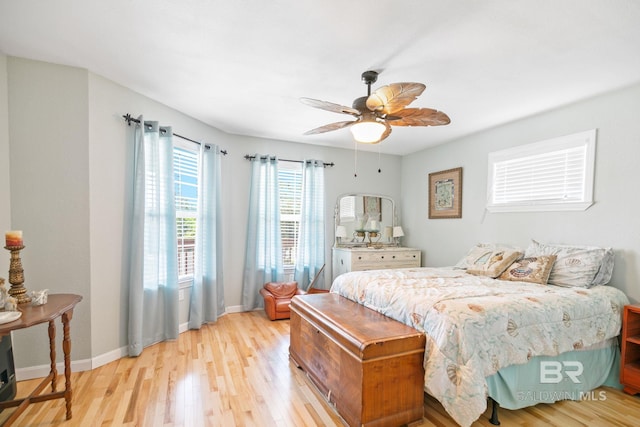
[379, 170]
[355, 159]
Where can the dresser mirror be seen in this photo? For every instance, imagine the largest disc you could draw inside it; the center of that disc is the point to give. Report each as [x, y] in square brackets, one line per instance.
[364, 220]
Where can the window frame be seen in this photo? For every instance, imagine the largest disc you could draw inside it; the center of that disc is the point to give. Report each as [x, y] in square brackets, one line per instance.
[347, 210]
[186, 279]
[586, 139]
[297, 168]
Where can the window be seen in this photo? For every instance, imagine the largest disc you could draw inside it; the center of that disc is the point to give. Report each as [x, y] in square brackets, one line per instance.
[290, 191]
[551, 175]
[348, 209]
[185, 170]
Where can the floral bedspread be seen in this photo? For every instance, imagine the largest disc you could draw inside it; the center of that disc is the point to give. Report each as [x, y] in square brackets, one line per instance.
[477, 325]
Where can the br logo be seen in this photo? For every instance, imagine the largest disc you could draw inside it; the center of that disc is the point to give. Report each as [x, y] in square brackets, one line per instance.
[551, 372]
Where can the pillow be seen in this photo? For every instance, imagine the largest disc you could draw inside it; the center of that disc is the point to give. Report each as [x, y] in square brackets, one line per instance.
[493, 262]
[480, 250]
[530, 269]
[576, 266]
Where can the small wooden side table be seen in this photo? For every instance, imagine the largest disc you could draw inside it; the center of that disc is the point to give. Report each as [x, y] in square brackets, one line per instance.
[630, 353]
[57, 305]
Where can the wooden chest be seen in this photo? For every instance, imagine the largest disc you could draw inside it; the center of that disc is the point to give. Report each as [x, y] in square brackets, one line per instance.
[366, 364]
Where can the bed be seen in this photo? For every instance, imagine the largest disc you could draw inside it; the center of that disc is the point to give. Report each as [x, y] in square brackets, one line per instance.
[511, 336]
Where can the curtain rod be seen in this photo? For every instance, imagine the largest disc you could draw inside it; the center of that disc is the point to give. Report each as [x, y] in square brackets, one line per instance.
[249, 157]
[127, 117]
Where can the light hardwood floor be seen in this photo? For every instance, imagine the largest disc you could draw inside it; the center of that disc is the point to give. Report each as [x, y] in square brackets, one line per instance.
[237, 373]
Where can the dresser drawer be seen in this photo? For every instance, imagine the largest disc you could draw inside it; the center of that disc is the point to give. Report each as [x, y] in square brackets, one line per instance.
[368, 257]
[381, 260]
[403, 257]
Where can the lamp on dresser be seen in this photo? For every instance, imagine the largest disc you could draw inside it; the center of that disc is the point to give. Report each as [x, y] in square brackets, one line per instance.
[388, 233]
[397, 234]
[341, 233]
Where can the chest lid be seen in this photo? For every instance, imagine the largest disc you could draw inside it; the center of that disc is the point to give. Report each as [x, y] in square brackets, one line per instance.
[362, 331]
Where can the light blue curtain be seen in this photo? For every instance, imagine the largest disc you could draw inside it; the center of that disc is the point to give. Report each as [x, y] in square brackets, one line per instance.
[311, 243]
[263, 256]
[153, 283]
[207, 293]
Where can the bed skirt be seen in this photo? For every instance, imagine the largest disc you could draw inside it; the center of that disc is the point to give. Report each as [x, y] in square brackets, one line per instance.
[569, 376]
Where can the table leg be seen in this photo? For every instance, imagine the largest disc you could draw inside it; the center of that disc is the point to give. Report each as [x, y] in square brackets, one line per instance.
[66, 347]
[52, 355]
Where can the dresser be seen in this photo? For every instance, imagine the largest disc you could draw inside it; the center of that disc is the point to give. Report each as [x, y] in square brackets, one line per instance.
[358, 259]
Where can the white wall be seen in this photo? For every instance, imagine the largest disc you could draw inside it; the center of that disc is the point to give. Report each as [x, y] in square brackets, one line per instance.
[612, 221]
[5, 211]
[49, 182]
[71, 194]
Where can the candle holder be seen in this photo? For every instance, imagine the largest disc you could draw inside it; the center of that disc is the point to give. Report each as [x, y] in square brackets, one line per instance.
[16, 276]
[373, 234]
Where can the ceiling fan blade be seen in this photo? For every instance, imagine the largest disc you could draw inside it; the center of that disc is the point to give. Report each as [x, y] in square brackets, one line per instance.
[394, 97]
[386, 133]
[419, 117]
[330, 106]
[330, 127]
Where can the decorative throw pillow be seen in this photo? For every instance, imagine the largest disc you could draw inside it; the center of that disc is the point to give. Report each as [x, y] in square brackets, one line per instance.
[480, 250]
[576, 266]
[530, 269]
[492, 262]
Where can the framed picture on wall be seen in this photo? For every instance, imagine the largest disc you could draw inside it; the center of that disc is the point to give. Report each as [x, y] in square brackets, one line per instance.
[445, 194]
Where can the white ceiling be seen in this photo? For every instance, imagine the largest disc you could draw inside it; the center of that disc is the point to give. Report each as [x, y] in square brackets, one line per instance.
[242, 65]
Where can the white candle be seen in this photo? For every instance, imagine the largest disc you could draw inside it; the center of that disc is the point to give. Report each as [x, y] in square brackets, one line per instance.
[13, 238]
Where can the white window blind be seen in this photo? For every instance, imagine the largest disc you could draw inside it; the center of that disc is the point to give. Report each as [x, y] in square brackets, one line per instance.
[185, 169]
[347, 209]
[555, 174]
[290, 190]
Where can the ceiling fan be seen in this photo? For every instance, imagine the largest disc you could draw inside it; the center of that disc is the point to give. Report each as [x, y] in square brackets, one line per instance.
[375, 112]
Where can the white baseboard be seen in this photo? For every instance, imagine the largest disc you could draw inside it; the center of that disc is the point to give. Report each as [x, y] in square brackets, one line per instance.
[41, 371]
[184, 327]
[234, 309]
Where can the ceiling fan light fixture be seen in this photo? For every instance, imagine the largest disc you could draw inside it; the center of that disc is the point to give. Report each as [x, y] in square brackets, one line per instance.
[368, 131]
[375, 113]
